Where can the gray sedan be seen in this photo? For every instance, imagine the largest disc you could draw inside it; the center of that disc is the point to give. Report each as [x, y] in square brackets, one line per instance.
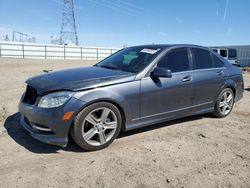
[135, 87]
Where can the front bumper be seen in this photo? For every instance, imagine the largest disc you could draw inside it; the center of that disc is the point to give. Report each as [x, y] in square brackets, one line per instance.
[46, 125]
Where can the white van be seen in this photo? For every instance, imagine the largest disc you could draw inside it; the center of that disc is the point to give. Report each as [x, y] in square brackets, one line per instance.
[229, 54]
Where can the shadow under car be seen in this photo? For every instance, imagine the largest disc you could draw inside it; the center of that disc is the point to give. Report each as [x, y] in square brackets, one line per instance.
[23, 138]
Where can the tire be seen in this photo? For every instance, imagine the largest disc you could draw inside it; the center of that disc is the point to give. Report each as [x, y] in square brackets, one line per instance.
[224, 103]
[96, 126]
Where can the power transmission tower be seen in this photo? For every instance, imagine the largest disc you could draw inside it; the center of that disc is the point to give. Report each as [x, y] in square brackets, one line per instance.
[19, 37]
[68, 33]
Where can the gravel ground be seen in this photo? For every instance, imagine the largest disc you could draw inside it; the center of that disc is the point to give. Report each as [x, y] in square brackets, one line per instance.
[198, 151]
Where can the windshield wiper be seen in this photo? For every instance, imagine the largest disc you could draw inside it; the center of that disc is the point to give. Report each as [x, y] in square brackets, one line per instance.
[107, 67]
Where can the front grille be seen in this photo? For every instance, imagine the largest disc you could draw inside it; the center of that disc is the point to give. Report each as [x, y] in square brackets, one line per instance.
[30, 95]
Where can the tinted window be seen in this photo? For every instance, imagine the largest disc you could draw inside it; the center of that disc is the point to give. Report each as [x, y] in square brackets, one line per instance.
[202, 59]
[217, 61]
[223, 53]
[176, 60]
[232, 53]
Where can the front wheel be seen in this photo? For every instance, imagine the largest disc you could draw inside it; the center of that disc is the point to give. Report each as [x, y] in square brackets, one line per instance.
[224, 103]
[96, 126]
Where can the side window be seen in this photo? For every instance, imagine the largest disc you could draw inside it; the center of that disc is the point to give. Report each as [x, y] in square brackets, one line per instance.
[203, 59]
[176, 60]
[217, 61]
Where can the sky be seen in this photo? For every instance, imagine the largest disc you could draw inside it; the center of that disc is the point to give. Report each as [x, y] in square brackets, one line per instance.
[133, 22]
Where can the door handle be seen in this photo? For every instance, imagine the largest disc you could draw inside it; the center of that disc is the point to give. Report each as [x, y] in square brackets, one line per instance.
[219, 73]
[187, 78]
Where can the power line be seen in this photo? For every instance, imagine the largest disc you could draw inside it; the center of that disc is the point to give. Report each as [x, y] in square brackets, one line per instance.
[123, 7]
[118, 6]
[142, 10]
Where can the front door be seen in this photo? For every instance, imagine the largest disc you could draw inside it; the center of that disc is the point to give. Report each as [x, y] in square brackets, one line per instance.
[164, 98]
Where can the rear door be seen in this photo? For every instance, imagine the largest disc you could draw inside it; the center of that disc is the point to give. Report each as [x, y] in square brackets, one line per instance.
[209, 78]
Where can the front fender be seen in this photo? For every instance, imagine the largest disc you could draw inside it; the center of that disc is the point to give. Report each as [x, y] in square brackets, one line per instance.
[102, 94]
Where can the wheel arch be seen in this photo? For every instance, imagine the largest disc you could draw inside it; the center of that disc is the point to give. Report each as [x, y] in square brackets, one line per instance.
[233, 89]
[115, 103]
[231, 84]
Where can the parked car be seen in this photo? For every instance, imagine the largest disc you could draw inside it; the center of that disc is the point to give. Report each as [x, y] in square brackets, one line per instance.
[229, 54]
[135, 87]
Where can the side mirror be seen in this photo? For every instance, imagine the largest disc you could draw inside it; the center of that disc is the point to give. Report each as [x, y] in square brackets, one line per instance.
[161, 72]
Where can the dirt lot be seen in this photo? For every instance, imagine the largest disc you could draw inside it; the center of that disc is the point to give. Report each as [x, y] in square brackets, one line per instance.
[199, 151]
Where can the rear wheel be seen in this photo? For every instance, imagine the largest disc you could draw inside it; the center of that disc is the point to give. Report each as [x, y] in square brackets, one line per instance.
[224, 103]
[96, 126]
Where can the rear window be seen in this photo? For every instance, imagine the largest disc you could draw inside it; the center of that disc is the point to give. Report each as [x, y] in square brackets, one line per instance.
[217, 61]
[203, 59]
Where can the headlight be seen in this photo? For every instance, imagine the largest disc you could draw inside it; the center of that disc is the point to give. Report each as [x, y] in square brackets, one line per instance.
[55, 99]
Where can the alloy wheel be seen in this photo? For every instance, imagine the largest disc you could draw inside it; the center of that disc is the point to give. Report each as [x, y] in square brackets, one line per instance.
[99, 126]
[226, 102]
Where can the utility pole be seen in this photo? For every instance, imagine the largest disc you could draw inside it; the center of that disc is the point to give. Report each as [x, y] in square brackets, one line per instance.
[68, 35]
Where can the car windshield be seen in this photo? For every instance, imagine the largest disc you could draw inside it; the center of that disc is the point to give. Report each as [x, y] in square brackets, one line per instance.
[132, 59]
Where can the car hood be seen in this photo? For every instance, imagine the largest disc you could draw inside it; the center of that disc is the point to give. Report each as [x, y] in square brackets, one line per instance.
[78, 79]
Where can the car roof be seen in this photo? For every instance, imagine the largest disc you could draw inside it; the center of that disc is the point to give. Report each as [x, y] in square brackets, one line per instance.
[170, 46]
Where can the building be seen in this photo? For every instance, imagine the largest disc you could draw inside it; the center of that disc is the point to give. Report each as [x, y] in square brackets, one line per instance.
[243, 54]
